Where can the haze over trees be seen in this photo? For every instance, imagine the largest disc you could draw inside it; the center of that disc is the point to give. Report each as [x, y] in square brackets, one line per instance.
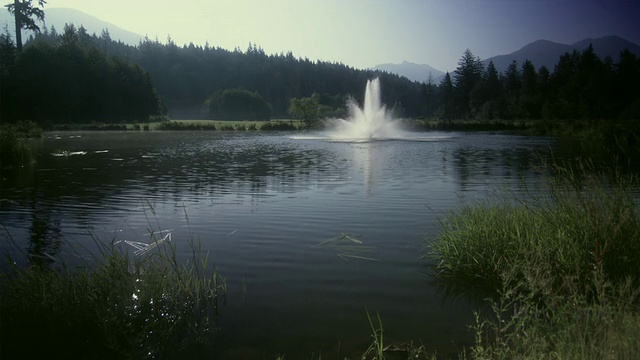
[25, 15]
[580, 87]
[69, 80]
[77, 77]
[237, 104]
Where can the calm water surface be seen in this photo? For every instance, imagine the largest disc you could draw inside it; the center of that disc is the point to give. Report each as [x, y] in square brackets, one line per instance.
[264, 205]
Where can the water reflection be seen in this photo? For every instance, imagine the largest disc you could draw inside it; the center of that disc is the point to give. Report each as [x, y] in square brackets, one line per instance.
[364, 159]
[46, 238]
[260, 203]
[496, 161]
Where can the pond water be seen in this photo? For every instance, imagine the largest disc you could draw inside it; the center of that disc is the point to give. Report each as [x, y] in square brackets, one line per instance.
[264, 205]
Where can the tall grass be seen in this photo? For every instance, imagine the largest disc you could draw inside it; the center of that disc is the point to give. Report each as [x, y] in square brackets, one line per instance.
[14, 151]
[561, 269]
[123, 307]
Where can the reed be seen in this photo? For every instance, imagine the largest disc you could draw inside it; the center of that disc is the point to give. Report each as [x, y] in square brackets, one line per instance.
[561, 269]
[122, 306]
[14, 151]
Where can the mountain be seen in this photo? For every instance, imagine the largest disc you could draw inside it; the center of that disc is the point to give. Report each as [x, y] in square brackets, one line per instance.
[547, 53]
[58, 17]
[412, 71]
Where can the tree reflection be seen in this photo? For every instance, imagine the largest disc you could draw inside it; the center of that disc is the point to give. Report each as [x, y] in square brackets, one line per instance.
[46, 238]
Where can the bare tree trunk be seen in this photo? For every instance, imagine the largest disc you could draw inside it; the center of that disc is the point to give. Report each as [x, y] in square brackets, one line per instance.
[18, 9]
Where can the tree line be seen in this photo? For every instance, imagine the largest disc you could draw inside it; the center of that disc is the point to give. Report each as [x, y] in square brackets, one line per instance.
[70, 81]
[185, 77]
[77, 77]
[581, 87]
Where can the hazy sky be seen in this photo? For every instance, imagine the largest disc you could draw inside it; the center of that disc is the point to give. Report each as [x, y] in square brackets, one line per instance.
[363, 33]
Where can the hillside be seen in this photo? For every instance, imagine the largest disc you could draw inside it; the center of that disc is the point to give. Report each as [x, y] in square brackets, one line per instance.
[412, 71]
[546, 53]
[58, 17]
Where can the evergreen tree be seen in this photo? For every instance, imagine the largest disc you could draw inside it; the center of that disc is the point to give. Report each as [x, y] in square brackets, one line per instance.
[492, 77]
[512, 81]
[466, 76]
[7, 74]
[529, 101]
[25, 15]
[428, 91]
[484, 98]
[446, 90]
[626, 81]
[7, 54]
[66, 81]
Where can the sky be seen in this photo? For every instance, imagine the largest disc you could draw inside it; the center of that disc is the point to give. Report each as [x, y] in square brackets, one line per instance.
[364, 33]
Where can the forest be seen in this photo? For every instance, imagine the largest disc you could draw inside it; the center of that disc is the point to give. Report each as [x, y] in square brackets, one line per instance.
[75, 77]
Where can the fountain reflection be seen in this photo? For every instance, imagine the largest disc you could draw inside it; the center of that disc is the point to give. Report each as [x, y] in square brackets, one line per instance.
[363, 156]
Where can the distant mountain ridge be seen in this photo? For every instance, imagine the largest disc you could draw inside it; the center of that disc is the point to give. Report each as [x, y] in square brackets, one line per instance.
[540, 52]
[547, 53]
[412, 71]
[58, 17]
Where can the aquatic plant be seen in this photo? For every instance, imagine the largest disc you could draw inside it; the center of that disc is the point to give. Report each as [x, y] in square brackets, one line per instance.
[149, 305]
[14, 151]
[552, 241]
[566, 327]
[561, 269]
[26, 128]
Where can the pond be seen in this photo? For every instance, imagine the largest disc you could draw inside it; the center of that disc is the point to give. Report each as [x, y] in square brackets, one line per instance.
[308, 233]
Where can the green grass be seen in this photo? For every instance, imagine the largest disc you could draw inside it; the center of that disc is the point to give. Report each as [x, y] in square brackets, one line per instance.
[123, 307]
[233, 125]
[561, 270]
[221, 125]
[14, 151]
[466, 125]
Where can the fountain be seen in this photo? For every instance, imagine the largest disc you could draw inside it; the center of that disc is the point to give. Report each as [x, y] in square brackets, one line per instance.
[371, 122]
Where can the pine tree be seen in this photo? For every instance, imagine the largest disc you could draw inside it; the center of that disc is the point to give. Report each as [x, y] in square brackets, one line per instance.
[466, 76]
[446, 89]
[492, 77]
[24, 13]
[529, 98]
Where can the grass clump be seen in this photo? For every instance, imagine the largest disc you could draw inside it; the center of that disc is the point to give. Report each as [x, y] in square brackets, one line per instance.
[14, 151]
[564, 327]
[562, 270]
[151, 306]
